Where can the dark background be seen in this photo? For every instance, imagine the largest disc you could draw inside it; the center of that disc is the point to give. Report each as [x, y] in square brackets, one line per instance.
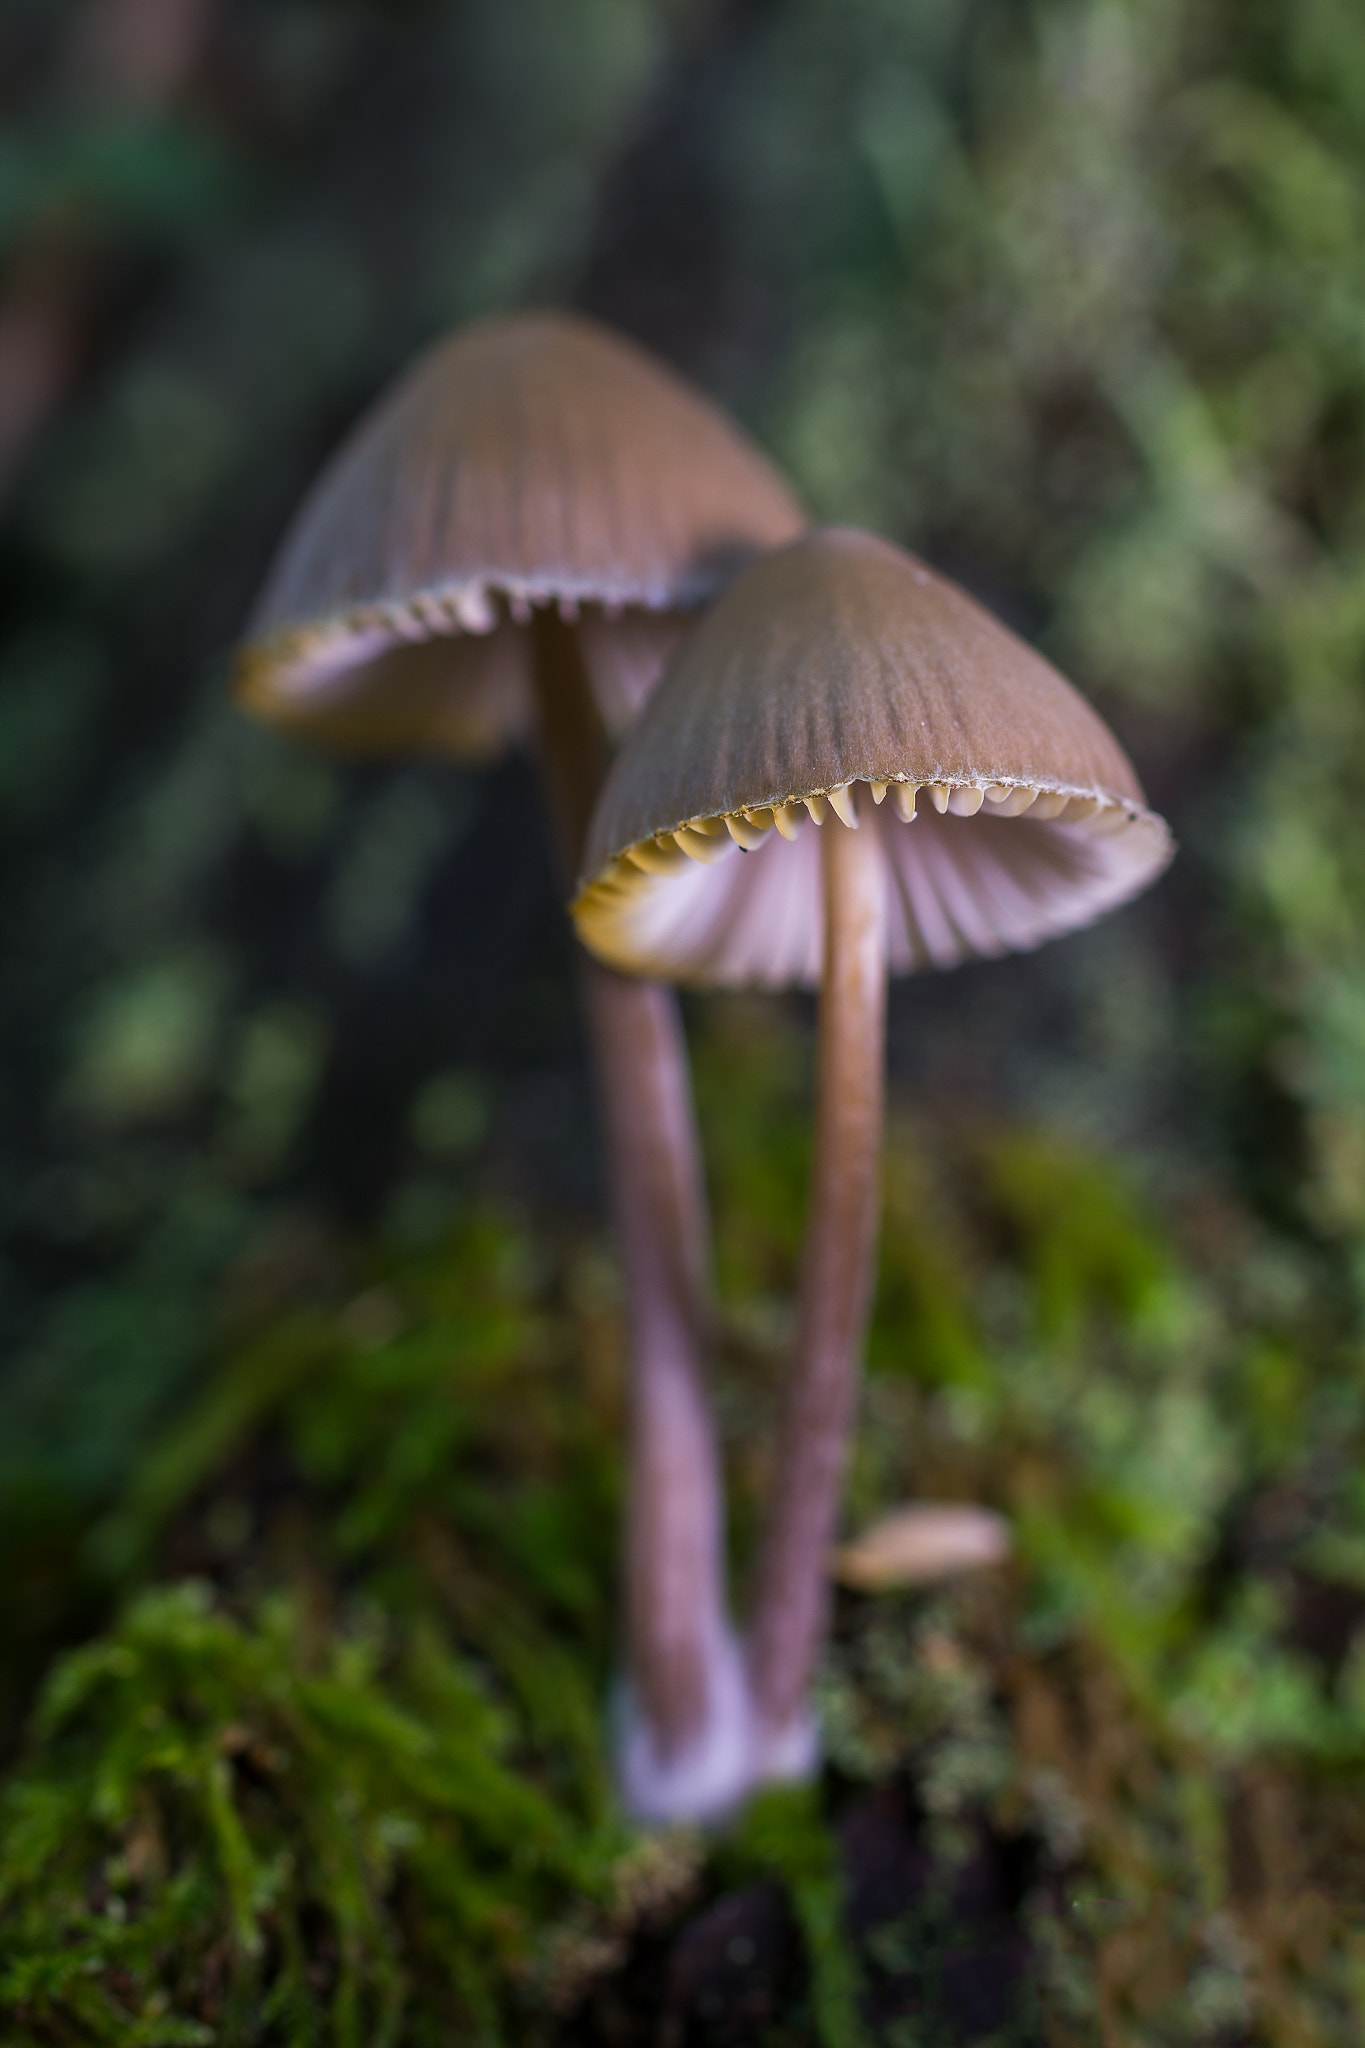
[993, 280]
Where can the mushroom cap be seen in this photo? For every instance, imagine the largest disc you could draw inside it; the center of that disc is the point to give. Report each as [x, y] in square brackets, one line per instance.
[526, 460]
[837, 662]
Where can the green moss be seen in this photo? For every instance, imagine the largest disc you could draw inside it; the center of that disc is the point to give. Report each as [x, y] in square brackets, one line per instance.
[347, 1781]
[267, 1826]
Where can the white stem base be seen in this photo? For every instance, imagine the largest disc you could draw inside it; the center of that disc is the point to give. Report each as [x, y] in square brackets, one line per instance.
[706, 1780]
[786, 1756]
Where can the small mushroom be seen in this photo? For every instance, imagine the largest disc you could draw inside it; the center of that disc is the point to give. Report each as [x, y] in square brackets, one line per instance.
[970, 804]
[915, 1545]
[505, 549]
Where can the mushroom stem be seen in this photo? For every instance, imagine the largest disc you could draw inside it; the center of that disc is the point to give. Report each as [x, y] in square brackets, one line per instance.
[791, 1588]
[572, 739]
[682, 1746]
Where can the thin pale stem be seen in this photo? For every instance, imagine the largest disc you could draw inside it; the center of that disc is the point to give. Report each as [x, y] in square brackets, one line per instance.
[791, 1589]
[682, 1748]
[675, 1566]
[571, 739]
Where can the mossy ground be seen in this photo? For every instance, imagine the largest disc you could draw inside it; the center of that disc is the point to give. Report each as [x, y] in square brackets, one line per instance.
[334, 1768]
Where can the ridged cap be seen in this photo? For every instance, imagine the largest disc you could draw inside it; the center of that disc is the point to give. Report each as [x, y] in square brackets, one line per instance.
[842, 673]
[527, 460]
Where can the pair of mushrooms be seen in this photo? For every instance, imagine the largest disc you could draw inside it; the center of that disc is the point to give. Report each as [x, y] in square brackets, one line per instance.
[508, 549]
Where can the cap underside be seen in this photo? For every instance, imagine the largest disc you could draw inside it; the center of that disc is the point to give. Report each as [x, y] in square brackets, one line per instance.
[429, 680]
[991, 872]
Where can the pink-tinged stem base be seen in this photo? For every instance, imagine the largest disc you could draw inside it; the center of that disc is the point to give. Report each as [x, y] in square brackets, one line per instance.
[791, 1590]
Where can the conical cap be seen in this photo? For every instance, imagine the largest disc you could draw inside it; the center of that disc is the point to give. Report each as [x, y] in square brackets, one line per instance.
[527, 460]
[842, 674]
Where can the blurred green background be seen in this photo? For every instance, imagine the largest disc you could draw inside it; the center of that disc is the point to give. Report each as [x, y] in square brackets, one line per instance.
[1067, 295]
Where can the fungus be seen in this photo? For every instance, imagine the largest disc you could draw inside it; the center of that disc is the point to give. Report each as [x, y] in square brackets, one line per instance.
[505, 549]
[914, 1546]
[971, 804]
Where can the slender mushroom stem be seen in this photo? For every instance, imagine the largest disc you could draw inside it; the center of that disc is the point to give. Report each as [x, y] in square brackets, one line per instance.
[683, 1746]
[684, 1749]
[572, 739]
[791, 1591]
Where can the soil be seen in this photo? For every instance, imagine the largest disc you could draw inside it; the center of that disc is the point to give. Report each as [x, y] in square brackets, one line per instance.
[944, 1954]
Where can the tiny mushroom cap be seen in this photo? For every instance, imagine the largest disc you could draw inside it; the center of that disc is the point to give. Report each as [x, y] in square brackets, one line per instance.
[1006, 811]
[928, 1540]
[529, 460]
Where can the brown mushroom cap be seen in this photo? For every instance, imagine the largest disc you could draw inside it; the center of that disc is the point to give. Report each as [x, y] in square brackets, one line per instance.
[526, 460]
[1013, 813]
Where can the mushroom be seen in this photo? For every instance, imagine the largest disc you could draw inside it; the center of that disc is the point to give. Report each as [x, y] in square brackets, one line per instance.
[505, 549]
[914, 1546]
[971, 804]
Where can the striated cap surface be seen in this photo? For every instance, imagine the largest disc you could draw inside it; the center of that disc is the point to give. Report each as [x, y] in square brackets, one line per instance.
[842, 674]
[527, 460]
